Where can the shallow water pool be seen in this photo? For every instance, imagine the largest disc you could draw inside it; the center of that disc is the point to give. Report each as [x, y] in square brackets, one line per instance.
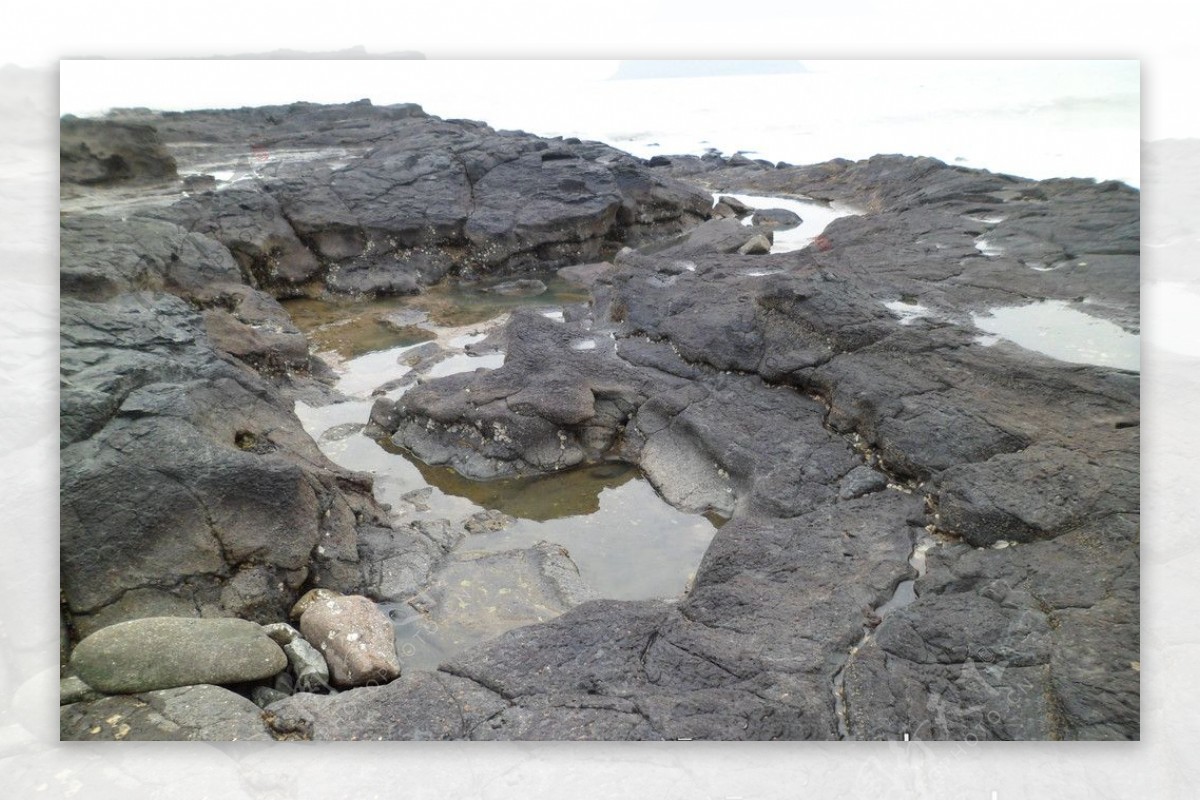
[815, 215]
[627, 542]
[1056, 329]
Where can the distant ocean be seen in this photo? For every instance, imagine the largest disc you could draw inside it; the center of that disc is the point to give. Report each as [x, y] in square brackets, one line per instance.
[1038, 119]
[1080, 120]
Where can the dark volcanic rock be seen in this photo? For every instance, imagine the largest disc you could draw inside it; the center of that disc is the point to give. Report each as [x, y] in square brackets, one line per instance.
[107, 152]
[417, 706]
[739, 445]
[102, 257]
[1030, 642]
[1003, 445]
[750, 654]
[201, 712]
[776, 219]
[584, 275]
[550, 406]
[784, 389]
[412, 197]
[252, 326]
[193, 463]
[714, 236]
[251, 224]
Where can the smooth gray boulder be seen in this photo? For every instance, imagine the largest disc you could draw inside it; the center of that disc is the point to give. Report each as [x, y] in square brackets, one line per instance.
[159, 653]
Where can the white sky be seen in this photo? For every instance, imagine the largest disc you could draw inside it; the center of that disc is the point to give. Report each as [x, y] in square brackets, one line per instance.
[1004, 115]
[38, 34]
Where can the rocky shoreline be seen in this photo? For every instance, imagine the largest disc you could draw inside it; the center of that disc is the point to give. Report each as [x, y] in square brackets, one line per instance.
[857, 449]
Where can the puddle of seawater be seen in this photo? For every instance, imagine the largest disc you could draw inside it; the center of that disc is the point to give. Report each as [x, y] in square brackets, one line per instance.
[1053, 328]
[907, 312]
[631, 546]
[628, 543]
[906, 591]
[816, 216]
[353, 328]
[607, 516]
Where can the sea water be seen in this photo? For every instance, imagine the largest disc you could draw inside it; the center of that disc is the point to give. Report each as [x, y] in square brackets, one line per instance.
[607, 516]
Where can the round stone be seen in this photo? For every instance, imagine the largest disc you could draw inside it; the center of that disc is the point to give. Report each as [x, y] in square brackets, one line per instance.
[160, 652]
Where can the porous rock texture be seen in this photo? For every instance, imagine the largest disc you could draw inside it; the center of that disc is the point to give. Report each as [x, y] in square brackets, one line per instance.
[778, 389]
[764, 387]
[386, 200]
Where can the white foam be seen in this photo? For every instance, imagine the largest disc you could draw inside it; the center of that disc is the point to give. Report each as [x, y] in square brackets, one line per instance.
[987, 248]
[907, 312]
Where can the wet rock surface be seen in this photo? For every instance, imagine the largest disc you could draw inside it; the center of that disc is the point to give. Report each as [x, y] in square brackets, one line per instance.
[201, 712]
[768, 396]
[790, 391]
[476, 596]
[189, 459]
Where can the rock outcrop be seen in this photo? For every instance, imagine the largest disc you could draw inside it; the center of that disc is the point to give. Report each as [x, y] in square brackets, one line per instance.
[359, 199]
[858, 451]
[763, 387]
[199, 713]
[98, 152]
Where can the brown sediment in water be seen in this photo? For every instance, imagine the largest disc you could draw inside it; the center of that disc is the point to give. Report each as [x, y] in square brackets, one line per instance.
[353, 328]
[542, 497]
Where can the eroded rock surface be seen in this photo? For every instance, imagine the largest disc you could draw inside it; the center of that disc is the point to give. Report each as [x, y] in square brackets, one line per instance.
[359, 199]
[768, 395]
[836, 401]
[109, 151]
[201, 712]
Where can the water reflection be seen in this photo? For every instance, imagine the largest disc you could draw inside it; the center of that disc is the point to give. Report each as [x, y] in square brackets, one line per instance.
[546, 497]
[352, 328]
